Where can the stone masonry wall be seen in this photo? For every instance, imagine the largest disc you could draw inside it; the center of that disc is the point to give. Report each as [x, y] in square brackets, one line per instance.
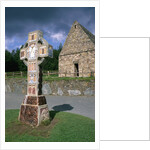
[77, 41]
[62, 87]
[85, 60]
[79, 48]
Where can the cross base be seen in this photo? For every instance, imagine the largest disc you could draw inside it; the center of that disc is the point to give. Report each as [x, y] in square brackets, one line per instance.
[34, 110]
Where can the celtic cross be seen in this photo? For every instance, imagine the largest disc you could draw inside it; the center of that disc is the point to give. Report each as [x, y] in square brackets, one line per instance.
[34, 108]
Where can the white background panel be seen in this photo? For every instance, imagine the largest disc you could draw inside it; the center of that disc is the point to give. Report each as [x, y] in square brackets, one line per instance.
[124, 18]
[47, 145]
[124, 89]
[125, 145]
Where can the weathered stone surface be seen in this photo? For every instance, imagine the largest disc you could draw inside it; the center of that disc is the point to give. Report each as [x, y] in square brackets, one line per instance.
[35, 100]
[29, 114]
[7, 89]
[74, 92]
[78, 49]
[46, 89]
[33, 114]
[16, 85]
[17, 89]
[41, 100]
[55, 87]
[60, 92]
[30, 100]
[89, 92]
[44, 113]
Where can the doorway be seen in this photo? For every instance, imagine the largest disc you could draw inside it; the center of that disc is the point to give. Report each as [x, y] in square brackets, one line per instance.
[76, 66]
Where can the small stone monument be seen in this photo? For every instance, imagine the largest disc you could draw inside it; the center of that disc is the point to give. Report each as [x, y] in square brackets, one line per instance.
[34, 108]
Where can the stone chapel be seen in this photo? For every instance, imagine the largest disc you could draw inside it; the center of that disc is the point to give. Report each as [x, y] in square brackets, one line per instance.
[77, 58]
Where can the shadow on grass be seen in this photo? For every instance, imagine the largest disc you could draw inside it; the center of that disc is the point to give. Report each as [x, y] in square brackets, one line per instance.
[58, 108]
[52, 114]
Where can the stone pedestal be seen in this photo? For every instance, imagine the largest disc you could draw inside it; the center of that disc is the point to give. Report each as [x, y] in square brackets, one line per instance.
[34, 110]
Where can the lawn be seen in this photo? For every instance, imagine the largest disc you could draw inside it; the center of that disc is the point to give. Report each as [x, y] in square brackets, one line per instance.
[56, 78]
[64, 127]
[52, 77]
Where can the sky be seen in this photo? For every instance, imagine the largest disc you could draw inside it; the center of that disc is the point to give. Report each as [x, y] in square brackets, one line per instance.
[54, 22]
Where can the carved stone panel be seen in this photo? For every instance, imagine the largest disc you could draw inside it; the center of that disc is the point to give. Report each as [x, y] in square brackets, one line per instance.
[32, 79]
[32, 90]
[32, 66]
[22, 54]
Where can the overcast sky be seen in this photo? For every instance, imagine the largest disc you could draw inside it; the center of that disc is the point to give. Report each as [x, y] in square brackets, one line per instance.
[55, 22]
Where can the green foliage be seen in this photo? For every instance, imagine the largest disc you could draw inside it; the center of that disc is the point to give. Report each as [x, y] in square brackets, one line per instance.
[52, 77]
[64, 127]
[13, 62]
[8, 61]
[51, 63]
[46, 122]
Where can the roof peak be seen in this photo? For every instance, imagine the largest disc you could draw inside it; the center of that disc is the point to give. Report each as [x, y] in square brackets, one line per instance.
[79, 39]
[75, 22]
[87, 32]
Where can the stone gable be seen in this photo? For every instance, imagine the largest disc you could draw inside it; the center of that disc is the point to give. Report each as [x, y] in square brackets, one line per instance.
[78, 53]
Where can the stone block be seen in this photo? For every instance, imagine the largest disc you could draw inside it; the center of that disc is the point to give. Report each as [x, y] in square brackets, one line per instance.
[7, 88]
[60, 92]
[29, 114]
[89, 92]
[74, 92]
[46, 89]
[35, 100]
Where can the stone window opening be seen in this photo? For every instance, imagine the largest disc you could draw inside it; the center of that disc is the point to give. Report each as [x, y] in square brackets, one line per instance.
[75, 26]
[76, 66]
[33, 37]
[42, 50]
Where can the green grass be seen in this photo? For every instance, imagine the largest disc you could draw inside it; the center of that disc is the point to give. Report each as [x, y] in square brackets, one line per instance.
[16, 77]
[52, 77]
[49, 78]
[55, 78]
[64, 127]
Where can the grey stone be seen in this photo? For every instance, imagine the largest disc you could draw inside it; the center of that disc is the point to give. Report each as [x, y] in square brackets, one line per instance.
[74, 92]
[46, 89]
[7, 88]
[88, 92]
[60, 92]
[17, 88]
[54, 87]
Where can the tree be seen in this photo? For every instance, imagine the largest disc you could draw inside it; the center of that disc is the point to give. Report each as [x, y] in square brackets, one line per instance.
[13, 62]
[60, 47]
[51, 63]
[8, 61]
[21, 66]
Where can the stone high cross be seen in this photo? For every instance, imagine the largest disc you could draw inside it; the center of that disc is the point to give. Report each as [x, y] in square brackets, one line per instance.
[34, 108]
